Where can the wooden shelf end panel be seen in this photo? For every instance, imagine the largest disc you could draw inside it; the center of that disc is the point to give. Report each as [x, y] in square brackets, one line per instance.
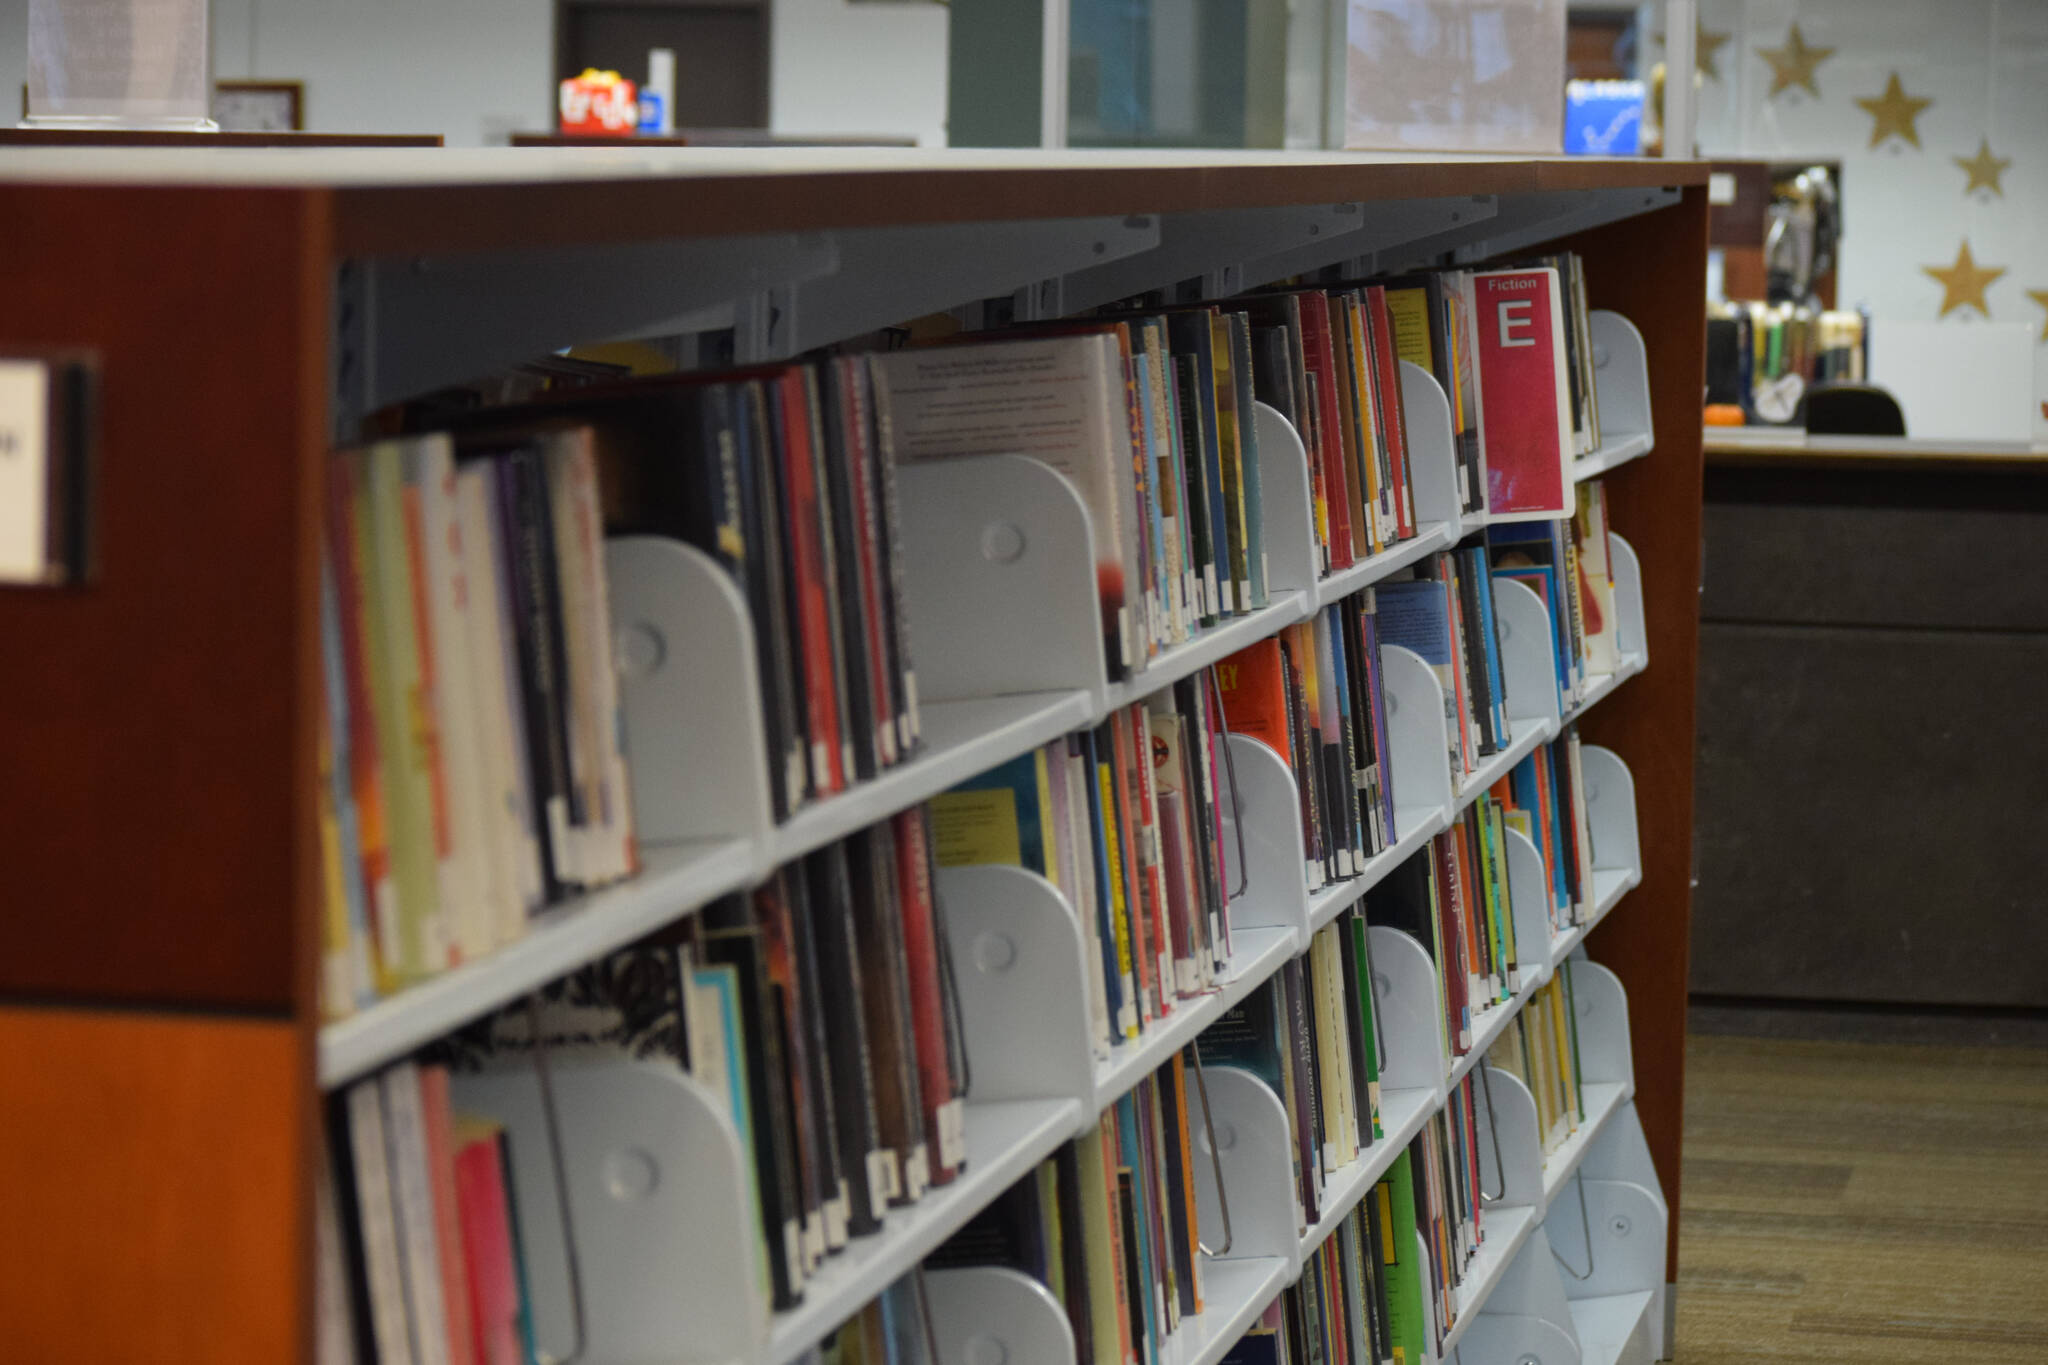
[154, 1172]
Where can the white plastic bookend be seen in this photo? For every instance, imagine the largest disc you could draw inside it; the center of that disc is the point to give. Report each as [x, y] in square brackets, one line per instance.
[1268, 814]
[1016, 946]
[1528, 651]
[992, 1315]
[1618, 1246]
[1527, 1317]
[695, 737]
[1517, 1177]
[1621, 1154]
[1287, 518]
[1611, 811]
[1529, 890]
[998, 580]
[1416, 735]
[1621, 376]
[655, 1181]
[1627, 572]
[1432, 457]
[1410, 1012]
[1256, 1154]
[1603, 1024]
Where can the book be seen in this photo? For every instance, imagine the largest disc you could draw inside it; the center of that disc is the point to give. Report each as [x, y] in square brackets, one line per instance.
[1522, 372]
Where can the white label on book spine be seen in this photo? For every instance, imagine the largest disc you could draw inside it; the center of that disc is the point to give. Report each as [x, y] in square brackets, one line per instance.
[1210, 600]
[1223, 598]
[917, 1173]
[953, 1132]
[792, 1251]
[838, 1210]
[24, 471]
[1187, 976]
[1127, 1013]
[882, 1183]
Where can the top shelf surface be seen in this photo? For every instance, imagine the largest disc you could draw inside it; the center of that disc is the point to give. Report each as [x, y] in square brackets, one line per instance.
[397, 199]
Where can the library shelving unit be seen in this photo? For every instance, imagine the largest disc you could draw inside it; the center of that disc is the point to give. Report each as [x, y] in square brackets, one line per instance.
[162, 1060]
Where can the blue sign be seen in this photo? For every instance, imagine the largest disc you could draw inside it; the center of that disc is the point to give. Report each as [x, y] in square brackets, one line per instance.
[1603, 118]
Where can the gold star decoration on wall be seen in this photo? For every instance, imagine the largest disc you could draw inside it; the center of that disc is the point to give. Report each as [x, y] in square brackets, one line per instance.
[1984, 169]
[1894, 112]
[1704, 47]
[2040, 296]
[1794, 63]
[1963, 284]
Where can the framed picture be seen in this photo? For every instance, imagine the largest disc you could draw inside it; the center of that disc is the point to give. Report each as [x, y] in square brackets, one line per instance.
[260, 106]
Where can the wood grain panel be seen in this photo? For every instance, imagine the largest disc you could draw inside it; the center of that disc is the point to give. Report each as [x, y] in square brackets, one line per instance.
[156, 737]
[1651, 270]
[154, 1182]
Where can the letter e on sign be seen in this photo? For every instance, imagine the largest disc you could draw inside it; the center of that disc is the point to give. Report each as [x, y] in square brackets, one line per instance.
[1514, 316]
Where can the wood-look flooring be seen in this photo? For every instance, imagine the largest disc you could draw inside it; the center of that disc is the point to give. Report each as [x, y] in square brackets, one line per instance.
[1863, 1202]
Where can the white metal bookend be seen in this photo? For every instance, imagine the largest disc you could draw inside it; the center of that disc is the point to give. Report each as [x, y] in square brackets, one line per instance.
[999, 580]
[992, 1315]
[1507, 1116]
[1406, 1001]
[691, 694]
[1252, 1145]
[1621, 1155]
[1016, 944]
[656, 1180]
[1621, 376]
[1527, 1318]
[1529, 892]
[1604, 1053]
[1528, 650]
[1286, 519]
[1611, 811]
[1627, 572]
[1432, 456]
[1267, 822]
[1416, 736]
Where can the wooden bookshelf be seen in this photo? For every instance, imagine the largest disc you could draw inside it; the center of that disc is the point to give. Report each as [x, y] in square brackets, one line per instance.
[158, 1020]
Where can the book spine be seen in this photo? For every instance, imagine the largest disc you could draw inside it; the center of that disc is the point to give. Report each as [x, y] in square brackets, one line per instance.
[842, 636]
[863, 706]
[884, 667]
[804, 545]
[908, 724]
[526, 533]
[413, 1200]
[376, 1220]
[945, 1129]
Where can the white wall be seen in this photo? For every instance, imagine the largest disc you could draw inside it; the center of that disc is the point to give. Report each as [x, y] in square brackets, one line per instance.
[858, 68]
[470, 70]
[1984, 63]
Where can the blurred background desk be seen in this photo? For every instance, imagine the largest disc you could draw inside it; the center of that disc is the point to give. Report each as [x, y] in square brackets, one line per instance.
[1873, 608]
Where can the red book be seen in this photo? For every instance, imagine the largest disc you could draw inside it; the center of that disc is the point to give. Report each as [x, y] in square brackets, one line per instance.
[804, 543]
[1320, 360]
[1524, 407]
[493, 1296]
[852, 391]
[440, 1124]
[945, 1112]
[1138, 774]
[1393, 418]
[1255, 697]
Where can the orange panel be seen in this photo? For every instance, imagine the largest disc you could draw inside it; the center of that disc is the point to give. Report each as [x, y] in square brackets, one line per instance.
[153, 1205]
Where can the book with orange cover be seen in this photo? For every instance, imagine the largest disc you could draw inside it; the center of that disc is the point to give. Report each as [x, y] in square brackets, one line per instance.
[1255, 696]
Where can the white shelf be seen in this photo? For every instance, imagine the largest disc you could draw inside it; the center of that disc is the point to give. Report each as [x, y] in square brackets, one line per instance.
[1418, 824]
[1234, 1293]
[1507, 1228]
[1618, 451]
[1610, 884]
[1005, 1140]
[1219, 641]
[1608, 1325]
[1600, 684]
[1604, 1100]
[1402, 1114]
[1259, 953]
[1488, 1023]
[1341, 583]
[1525, 732]
[673, 878]
[961, 739]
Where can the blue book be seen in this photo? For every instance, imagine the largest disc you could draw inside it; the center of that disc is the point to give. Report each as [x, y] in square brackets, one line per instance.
[1489, 633]
[1416, 614]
